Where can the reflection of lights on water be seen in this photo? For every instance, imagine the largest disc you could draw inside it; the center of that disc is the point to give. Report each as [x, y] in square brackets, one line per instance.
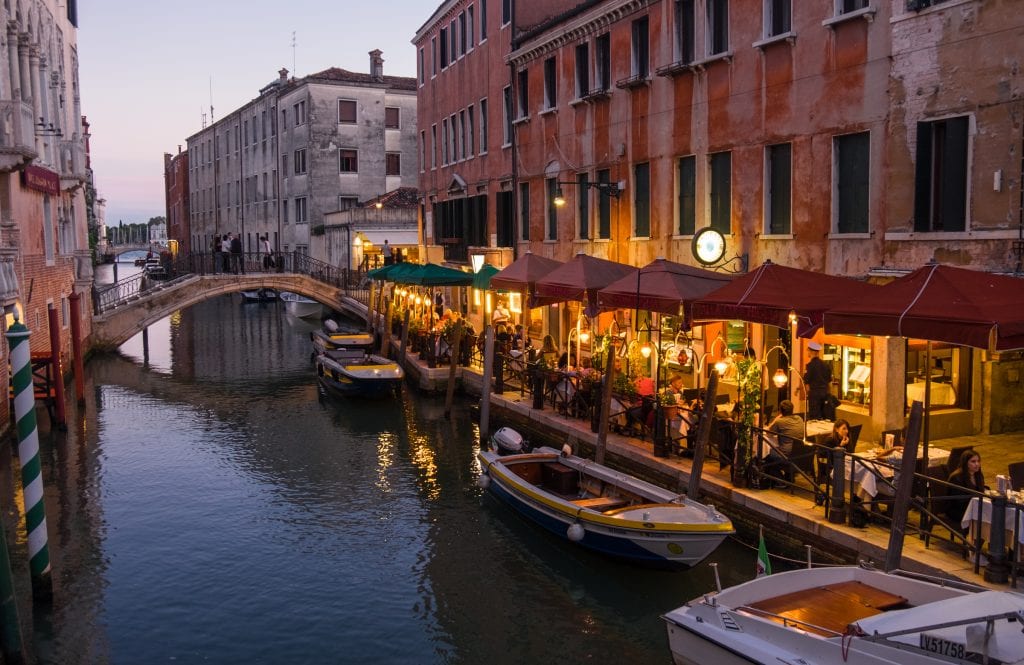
[423, 458]
[385, 448]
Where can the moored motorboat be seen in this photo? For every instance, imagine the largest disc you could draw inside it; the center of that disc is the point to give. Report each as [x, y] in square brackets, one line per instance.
[300, 306]
[605, 510]
[353, 372]
[332, 337]
[851, 615]
[259, 295]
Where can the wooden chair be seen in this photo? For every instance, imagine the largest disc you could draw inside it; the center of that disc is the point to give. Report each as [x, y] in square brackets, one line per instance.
[1016, 473]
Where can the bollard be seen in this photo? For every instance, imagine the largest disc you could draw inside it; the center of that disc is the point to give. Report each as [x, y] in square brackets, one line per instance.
[28, 455]
[836, 503]
[997, 570]
[58, 371]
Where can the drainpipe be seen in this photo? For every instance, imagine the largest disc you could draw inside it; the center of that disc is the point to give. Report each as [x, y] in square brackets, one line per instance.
[516, 231]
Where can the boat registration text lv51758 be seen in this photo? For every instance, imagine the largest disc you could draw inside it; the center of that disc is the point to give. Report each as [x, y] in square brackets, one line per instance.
[942, 646]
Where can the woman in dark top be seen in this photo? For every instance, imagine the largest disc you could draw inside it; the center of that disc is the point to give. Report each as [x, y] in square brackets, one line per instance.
[840, 436]
[969, 476]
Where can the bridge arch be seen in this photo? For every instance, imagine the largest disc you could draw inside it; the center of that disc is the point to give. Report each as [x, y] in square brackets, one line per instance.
[113, 328]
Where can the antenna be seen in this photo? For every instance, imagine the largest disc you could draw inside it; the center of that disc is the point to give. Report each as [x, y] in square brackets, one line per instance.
[211, 100]
[294, 73]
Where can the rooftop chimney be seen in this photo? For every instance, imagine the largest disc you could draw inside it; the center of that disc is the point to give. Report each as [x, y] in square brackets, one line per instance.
[377, 65]
[283, 73]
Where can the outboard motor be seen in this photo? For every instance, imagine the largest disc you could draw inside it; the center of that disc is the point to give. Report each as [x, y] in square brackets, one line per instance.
[507, 441]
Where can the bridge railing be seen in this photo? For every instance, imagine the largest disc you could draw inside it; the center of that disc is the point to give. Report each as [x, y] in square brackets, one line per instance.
[351, 282]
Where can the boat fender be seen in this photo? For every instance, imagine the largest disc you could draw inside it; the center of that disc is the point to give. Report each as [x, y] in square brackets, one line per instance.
[575, 532]
[566, 450]
[484, 481]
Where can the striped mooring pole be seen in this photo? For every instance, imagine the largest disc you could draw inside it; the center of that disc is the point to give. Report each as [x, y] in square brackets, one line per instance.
[28, 453]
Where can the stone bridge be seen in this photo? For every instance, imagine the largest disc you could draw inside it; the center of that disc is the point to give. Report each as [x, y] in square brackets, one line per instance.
[116, 326]
[118, 250]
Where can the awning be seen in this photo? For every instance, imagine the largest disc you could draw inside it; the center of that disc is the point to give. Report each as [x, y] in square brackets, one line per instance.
[522, 274]
[771, 292]
[662, 286]
[431, 274]
[941, 304]
[580, 280]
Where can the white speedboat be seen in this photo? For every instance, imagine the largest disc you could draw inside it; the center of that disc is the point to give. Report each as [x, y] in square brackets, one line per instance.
[333, 337]
[356, 373]
[850, 615]
[605, 510]
[300, 306]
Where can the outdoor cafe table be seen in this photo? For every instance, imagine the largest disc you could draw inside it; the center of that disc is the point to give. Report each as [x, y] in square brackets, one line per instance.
[864, 472]
[971, 518]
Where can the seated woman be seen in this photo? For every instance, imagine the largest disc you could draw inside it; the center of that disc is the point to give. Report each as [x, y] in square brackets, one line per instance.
[840, 437]
[968, 476]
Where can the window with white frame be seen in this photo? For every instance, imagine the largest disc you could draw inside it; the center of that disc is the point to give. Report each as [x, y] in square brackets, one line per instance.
[483, 126]
[453, 41]
[392, 163]
[686, 185]
[470, 27]
[852, 176]
[423, 150]
[462, 34]
[444, 141]
[778, 189]
[444, 48]
[348, 160]
[452, 140]
[506, 113]
[433, 146]
[778, 17]
[470, 131]
[603, 61]
[583, 206]
[641, 51]
[847, 6]
[523, 93]
[433, 57]
[300, 210]
[685, 31]
[720, 192]
[300, 161]
[422, 67]
[506, 12]
[582, 70]
[483, 20]
[299, 111]
[551, 187]
[940, 192]
[346, 111]
[718, 26]
[550, 83]
[392, 115]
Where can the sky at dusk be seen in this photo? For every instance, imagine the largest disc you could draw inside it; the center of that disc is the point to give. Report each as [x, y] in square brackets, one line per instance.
[146, 70]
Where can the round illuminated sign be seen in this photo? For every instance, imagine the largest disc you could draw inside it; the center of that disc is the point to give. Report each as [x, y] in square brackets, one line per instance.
[708, 246]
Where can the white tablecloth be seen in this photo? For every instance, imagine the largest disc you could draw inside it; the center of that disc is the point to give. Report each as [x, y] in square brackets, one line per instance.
[816, 427]
[970, 514]
[865, 473]
[943, 394]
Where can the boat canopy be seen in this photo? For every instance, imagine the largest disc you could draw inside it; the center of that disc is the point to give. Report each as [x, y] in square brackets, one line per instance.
[969, 614]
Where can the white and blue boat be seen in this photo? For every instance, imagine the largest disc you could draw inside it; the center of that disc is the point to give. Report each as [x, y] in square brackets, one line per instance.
[605, 510]
[332, 337]
[301, 306]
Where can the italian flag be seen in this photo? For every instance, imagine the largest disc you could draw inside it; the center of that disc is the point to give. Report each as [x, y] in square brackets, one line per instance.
[764, 564]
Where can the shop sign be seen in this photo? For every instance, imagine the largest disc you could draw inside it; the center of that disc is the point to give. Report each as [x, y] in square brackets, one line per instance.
[40, 179]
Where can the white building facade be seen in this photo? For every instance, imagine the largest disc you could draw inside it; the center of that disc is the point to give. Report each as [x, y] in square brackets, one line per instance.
[303, 148]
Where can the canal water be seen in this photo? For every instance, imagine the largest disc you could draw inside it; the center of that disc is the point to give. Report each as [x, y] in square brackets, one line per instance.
[208, 506]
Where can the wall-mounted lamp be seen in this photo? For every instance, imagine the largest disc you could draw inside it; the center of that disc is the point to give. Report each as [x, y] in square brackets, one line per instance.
[613, 189]
[379, 204]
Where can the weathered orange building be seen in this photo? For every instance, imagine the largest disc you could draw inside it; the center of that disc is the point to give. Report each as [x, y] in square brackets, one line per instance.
[852, 137]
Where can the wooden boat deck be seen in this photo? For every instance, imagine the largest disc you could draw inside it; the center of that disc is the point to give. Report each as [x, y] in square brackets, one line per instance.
[827, 610]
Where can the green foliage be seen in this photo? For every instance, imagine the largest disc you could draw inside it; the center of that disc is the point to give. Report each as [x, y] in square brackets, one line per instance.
[749, 375]
[624, 386]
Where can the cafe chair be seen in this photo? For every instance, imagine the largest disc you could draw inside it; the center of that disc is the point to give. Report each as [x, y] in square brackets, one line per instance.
[954, 458]
[854, 436]
[1016, 473]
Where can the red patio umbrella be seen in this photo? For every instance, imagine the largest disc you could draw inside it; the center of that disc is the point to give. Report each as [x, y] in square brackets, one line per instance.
[768, 295]
[940, 304]
[580, 279]
[522, 274]
[662, 286]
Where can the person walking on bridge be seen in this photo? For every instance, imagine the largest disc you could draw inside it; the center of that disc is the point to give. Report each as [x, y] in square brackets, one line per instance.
[236, 254]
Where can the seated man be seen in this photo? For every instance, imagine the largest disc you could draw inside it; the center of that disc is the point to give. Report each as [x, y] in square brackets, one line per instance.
[789, 428]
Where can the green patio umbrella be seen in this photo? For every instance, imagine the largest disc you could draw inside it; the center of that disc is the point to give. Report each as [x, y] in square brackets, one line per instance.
[403, 273]
[482, 278]
[431, 274]
[381, 274]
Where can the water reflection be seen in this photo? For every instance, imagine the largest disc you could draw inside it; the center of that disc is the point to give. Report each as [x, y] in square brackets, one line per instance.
[214, 508]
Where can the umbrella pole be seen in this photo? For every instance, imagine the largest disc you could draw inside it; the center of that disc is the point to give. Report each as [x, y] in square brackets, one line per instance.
[927, 398]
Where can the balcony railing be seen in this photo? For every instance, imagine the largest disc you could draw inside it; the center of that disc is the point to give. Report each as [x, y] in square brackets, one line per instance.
[17, 134]
[72, 163]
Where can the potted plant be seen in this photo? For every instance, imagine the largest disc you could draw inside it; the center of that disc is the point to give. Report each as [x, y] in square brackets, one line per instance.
[669, 405]
[748, 371]
[624, 387]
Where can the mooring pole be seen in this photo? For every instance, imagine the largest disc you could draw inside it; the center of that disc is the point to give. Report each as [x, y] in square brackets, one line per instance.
[58, 371]
[606, 404]
[453, 364]
[76, 346]
[904, 488]
[10, 635]
[28, 456]
[485, 393]
[145, 347]
[703, 434]
[371, 323]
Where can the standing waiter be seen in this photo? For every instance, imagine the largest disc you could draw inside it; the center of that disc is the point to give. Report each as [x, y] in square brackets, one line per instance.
[818, 379]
